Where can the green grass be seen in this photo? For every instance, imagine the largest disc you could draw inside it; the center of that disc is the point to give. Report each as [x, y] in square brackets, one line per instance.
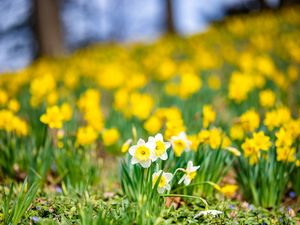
[88, 209]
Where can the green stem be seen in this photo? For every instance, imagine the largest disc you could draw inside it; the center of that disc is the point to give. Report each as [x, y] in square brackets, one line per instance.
[195, 184]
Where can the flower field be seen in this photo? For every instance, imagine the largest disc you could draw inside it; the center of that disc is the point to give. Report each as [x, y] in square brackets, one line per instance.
[185, 130]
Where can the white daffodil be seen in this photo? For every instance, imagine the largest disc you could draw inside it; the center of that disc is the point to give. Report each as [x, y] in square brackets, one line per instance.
[180, 143]
[190, 173]
[142, 153]
[160, 150]
[163, 182]
[208, 212]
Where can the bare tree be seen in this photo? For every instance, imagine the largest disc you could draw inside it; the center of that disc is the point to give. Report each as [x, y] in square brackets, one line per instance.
[170, 26]
[48, 27]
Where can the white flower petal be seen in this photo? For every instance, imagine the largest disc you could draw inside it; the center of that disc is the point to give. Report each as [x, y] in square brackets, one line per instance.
[168, 176]
[159, 137]
[168, 187]
[164, 156]
[167, 145]
[132, 150]
[154, 158]
[195, 168]
[182, 135]
[160, 190]
[187, 181]
[189, 165]
[151, 145]
[140, 142]
[151, 139]
[145, 164]
[134, 161]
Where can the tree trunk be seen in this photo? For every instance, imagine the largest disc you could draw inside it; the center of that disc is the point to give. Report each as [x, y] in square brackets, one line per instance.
[263, 4]
[48, 27]
[170, 27]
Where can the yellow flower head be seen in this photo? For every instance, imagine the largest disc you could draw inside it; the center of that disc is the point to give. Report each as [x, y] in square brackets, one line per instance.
[186, 85]
[110, 136]
[214, 82]
[86, 135]
[251, 151]
[286, 154]
[12, 123]
[180, 144]
[215, 138]
[53, 117]
[140, 105]
[173, 128]
[283, 138]
[250, 120]
[236, 132]
[240, 85]
[229, 190]
[14, 105]
[203, 136]
[195, 141]
[293, 126]
[66, 111]
[267, 98]
[3, 97]
[153, 125]
[209, 115]
[261, 141]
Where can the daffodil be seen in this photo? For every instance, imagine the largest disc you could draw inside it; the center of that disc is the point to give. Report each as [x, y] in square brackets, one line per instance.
[110, 136]
[209, 115]
[251, 151]
[126, 145]
[53, 117]
[267, 98]
[142, 153]
[190, 173]
[180, 143]
[286, 154]
[66, 111]
[229, 189]
[250, 120]
[86, 135]
[160, 150]
[163, 183]
[261, 141]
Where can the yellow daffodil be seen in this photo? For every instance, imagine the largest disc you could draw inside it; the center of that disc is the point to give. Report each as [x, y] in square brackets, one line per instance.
[53, 117]
[86, 135]
[110, 136]
[180, 144]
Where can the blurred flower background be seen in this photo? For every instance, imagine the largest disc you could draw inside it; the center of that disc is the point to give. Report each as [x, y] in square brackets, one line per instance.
[29, 28]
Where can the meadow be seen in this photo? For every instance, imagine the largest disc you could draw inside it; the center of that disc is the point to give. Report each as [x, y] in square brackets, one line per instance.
[185, 130]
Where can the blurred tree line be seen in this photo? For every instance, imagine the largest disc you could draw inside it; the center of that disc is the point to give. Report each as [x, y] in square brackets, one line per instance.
[48, 28]
[30, 28]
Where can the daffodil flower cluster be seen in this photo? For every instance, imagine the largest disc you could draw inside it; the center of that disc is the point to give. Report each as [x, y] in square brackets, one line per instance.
[144, 153]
